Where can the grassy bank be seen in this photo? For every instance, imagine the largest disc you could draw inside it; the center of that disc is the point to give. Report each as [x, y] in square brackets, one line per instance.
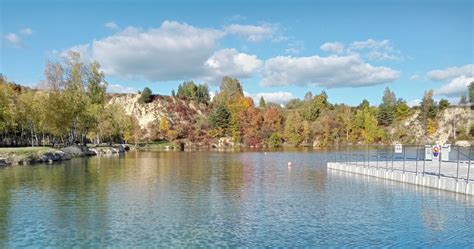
[25, 155]
[25, 150]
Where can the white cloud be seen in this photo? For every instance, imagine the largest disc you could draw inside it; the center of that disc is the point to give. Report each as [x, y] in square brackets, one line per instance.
[212, 95]
[332, 71]
[415, 102]
[370, 43]
[451, 73]
[111, 88]
[374, 49]
[229, 62]
[13, 39]
[334, 47]
[253, 33]
[414, 77]
[174, 51]
[294, 47]
[237, 18]
[26, 31]
[16, 39]
[456, 87]
[112, 26]
[457, 79]
[275, 97]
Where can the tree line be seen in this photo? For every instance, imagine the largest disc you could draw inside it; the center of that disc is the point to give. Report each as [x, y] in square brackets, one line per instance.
[71, 106]
[314, 120]
[68, 107]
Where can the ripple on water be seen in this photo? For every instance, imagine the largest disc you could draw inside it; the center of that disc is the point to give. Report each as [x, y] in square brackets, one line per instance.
[205, 199]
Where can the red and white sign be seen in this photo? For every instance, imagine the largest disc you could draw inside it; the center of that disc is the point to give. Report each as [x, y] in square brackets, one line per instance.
[435, 150]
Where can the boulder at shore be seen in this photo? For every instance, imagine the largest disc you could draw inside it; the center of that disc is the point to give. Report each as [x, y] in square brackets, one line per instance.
[78, 151]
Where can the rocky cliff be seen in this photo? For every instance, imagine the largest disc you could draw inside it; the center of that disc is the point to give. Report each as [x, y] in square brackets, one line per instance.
[181, 114]
[453, 124]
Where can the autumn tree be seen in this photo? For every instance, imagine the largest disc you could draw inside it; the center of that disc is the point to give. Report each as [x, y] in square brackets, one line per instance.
[366, 124]
[96, 84]
[272, 126]
[313, 108]
[164, 125]
[296, 129]
[230, 91]
[294, 104]
[251, 123]
[344, 117]
[428, 112]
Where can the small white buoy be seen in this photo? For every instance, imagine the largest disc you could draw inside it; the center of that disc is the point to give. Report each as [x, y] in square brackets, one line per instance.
[289, 164]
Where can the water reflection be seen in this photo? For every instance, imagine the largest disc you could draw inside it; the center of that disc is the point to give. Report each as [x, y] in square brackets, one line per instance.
[216, 198]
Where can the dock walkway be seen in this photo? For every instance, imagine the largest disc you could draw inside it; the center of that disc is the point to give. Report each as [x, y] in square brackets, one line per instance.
[455, 175]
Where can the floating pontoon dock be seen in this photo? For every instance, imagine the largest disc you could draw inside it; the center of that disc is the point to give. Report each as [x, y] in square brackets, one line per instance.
[411, 166]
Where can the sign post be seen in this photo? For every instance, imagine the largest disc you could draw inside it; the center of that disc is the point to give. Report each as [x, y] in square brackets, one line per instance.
[445, 149]
[428, 152]
[435, 150]
[398, 148]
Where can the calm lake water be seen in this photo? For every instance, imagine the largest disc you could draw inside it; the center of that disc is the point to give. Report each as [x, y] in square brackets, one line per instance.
[203, 199]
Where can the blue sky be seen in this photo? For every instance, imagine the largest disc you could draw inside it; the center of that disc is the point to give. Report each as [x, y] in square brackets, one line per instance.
[278, 49]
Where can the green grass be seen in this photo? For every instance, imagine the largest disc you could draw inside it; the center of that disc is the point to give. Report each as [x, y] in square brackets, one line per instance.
[25, 150]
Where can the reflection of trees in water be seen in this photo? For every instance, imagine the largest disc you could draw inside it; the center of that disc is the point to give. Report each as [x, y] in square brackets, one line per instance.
[74, 195]
[7, 180]
[315, 178]
[432, 216]
[433, 219]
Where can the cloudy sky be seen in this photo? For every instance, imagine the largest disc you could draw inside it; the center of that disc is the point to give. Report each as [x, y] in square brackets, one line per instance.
[278, 49]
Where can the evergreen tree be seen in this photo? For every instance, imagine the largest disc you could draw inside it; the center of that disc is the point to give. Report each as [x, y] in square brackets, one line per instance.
[364, 104]
[428, 106]
[443, 104]
[192, 92]
[262, 104]
[202, 94]
[146, 96]
[220, 117]
[387, 108]
[428, 112]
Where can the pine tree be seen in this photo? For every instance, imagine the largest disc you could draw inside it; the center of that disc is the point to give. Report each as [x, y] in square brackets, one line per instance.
[387, 108]
[443, 104]
[262, 104]
[146, 96]
[220, 117]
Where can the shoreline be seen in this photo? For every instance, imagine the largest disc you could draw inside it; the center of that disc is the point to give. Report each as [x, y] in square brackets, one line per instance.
[11, 156]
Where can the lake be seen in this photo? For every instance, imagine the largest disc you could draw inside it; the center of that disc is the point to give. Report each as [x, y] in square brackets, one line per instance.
[212, 199]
